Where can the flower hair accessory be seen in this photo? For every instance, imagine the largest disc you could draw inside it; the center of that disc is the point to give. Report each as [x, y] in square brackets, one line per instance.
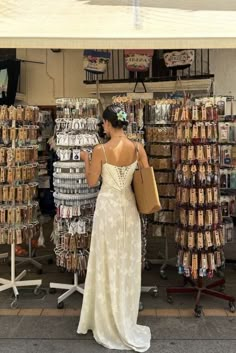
[121, 116]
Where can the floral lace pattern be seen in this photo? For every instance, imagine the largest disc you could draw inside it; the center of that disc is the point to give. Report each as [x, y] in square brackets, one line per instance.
[113, 282]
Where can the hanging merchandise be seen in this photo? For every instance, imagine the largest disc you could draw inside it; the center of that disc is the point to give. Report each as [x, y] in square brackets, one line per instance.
[96, 61]
[179, 59]
[135, 116]
[76, 129]
[18, 188]
[197, 177]
[138, 60]
[227, 147]
[159, 136]
[199, 236]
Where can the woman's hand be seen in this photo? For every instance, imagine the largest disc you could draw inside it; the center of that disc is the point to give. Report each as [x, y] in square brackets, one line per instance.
[84, 155]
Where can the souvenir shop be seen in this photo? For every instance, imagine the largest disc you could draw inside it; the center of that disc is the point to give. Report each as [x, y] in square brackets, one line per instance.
[191, 145]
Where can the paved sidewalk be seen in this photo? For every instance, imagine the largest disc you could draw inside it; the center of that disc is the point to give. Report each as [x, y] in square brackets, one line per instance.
[28, 334]
[37, 326]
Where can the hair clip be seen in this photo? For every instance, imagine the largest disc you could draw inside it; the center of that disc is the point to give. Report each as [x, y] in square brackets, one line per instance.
[121, 115]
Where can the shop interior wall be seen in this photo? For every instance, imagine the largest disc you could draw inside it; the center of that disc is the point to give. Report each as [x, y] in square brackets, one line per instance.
[223, 66]
[62, 74]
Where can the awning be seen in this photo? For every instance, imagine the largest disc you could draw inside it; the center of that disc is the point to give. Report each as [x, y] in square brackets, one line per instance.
[117, 24]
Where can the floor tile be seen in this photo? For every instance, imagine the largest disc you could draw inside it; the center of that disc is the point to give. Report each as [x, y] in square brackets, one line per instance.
[71, 312]
[52, 312]
[30, 312]
[186, 312]
[214, 312]
[9, 312]
[228, 313]
[148, 312]
[168, 312]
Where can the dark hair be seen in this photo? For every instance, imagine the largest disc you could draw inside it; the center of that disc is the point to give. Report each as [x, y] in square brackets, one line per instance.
[110, 114]
[101, 132]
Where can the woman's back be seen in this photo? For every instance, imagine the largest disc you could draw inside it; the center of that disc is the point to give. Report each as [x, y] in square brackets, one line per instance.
[120, 152]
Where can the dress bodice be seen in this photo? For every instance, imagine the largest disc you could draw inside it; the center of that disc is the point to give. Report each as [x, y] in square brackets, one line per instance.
[116, 177]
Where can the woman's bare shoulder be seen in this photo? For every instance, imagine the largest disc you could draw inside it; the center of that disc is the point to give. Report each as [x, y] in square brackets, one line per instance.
[98, 147]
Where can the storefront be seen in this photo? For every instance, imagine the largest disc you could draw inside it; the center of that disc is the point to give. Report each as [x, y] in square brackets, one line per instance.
[52, 67]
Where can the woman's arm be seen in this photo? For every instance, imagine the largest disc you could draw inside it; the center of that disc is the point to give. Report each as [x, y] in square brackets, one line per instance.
[93, 169]
[142, 156]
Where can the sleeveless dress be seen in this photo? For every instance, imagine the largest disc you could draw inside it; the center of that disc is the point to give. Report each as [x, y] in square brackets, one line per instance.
[113, 282]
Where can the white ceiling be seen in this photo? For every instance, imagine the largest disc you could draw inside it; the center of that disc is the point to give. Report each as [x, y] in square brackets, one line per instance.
[112, 24]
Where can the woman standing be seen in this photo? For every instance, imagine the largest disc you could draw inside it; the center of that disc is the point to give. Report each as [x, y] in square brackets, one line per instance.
[113, 283]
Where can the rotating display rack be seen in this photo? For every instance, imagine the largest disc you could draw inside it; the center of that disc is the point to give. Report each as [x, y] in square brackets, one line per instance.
[76, 129]
[159, 133]
[18, 170]
[227, 142]
[199, 234]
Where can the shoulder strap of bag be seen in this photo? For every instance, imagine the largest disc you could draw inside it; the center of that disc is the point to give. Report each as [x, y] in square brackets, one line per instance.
[137, 154]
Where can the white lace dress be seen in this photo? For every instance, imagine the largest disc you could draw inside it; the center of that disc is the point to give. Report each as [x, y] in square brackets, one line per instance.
[113, 282]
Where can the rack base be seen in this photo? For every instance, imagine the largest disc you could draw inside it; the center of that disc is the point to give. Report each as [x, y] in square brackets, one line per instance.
[34, 261]
[17, 282]
[199, 289]
[70, 289]
[165, 262]
[79, 288]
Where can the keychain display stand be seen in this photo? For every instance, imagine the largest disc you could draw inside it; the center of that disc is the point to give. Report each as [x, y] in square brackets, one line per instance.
[159, 133]
[33, 259]
[18, 170]
[227, 146]
[199, 234]
[76, 129]
[45, 124]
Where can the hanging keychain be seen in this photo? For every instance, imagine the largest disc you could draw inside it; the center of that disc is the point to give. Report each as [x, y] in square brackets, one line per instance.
[193, 197]
[195, 113]
[191, 240]
[180, 262]
[193, 176]
[201, 198]
[204, 113]
[200, 241]
[195, 266]
[209, 175]
[201, 175]
[186, 175]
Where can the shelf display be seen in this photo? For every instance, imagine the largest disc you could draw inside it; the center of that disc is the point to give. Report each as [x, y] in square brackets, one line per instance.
[46, 128]
[159, 134]
[76, 129]
[135, 116]
[18, 187]
[199, 236]
[227, 147]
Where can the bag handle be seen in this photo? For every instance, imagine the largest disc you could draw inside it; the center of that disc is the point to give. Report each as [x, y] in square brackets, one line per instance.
[137, 154]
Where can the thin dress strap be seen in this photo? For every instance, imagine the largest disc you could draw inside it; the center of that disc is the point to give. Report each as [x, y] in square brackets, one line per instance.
[104, 153]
